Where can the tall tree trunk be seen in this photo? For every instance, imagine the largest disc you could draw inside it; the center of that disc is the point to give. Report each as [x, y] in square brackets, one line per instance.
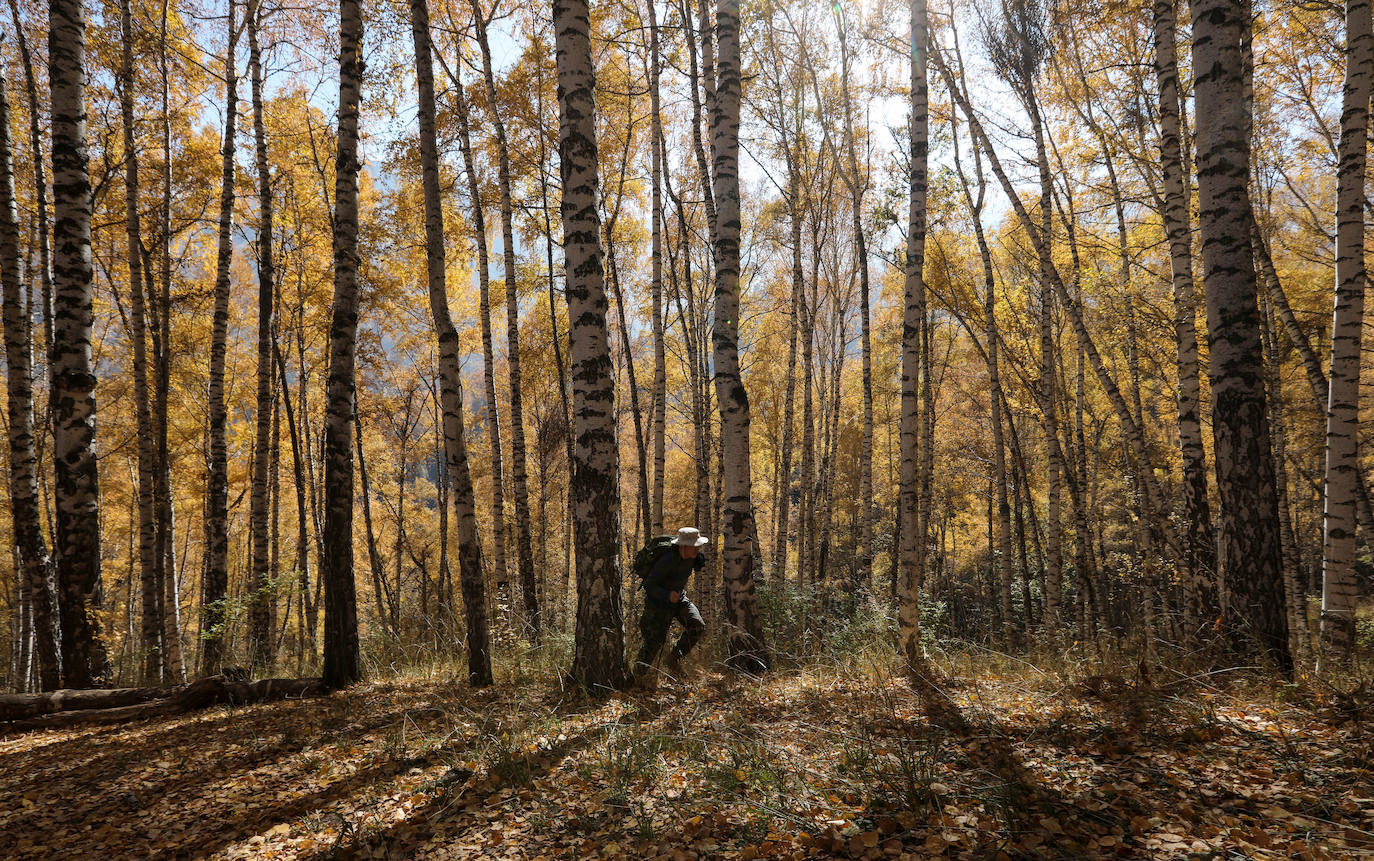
[913, 320]
[1339, 589]
[782, 529]
[1250, 554]
[36, 572]
[216, 583]
[341, 658]
[76, 485]
[599, 645]
[1046, 387]
[659, 395]
[747, 648]
[1200, 604]
[523, 547]
[259, 616]
[162, 337]
[151, 626]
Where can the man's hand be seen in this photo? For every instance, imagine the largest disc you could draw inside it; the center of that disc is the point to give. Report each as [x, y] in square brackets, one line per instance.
[674, 597]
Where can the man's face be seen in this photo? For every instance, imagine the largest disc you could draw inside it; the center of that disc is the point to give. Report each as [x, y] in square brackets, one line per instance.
[688, 551]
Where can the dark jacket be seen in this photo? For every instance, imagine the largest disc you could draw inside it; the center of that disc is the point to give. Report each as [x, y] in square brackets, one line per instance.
[670, 574]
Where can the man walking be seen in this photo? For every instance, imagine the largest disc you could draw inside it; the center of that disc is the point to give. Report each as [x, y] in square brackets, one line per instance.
[665, 600]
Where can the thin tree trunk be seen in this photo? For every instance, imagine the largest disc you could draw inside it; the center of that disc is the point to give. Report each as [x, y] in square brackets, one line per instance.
[1339, 586]
[151, 626]
[162, 336]
[36, 566]
[659, 395]
[1250, 558]
[216, 583]
[523, 546]
[913, 319]
[341, 658]
[598, 649]
[782, 529]
[259, 621]
[479, 227]
[77, 538]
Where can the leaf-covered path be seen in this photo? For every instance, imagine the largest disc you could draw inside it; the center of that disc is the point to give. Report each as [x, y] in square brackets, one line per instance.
[809, 764]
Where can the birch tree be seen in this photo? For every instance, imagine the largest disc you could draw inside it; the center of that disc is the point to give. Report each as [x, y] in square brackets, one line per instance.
[341, 656]
[76, 485]
[747, 648]
[594, 492]
[450, 371]
[1200, 599]
[215, 586]
[37, 565]
[519, 483]
[261, 641]
[1249, 552]
[1339, 591]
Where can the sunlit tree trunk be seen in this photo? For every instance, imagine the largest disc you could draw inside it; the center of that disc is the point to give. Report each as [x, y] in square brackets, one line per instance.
[36, 572]
[72, 398]
[913, 319]
[1200, 604]
[259, 615]
[1339, 588]
[341, 658]
[747, 648]
[1250, 555]
[659, 406]
[523, 546]
[599, 646]
[215, 588]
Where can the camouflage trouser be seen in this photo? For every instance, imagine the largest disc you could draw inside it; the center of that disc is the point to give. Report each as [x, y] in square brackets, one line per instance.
[653, 627]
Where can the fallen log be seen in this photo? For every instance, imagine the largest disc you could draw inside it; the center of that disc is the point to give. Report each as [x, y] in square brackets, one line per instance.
[19, 706]
[199, 694]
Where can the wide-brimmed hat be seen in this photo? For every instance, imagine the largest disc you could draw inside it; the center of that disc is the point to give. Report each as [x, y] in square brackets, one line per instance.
[690, 536]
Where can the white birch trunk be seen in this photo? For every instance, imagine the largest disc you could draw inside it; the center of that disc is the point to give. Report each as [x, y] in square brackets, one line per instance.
[1339, 589]
[599, 646]
[341, 658]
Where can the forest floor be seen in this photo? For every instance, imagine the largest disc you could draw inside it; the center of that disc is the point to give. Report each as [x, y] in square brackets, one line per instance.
[823, 761]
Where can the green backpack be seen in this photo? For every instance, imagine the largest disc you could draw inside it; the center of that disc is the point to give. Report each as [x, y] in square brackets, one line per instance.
[650, 553]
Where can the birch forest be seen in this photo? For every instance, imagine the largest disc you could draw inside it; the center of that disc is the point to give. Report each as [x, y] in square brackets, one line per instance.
[1006, 354]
